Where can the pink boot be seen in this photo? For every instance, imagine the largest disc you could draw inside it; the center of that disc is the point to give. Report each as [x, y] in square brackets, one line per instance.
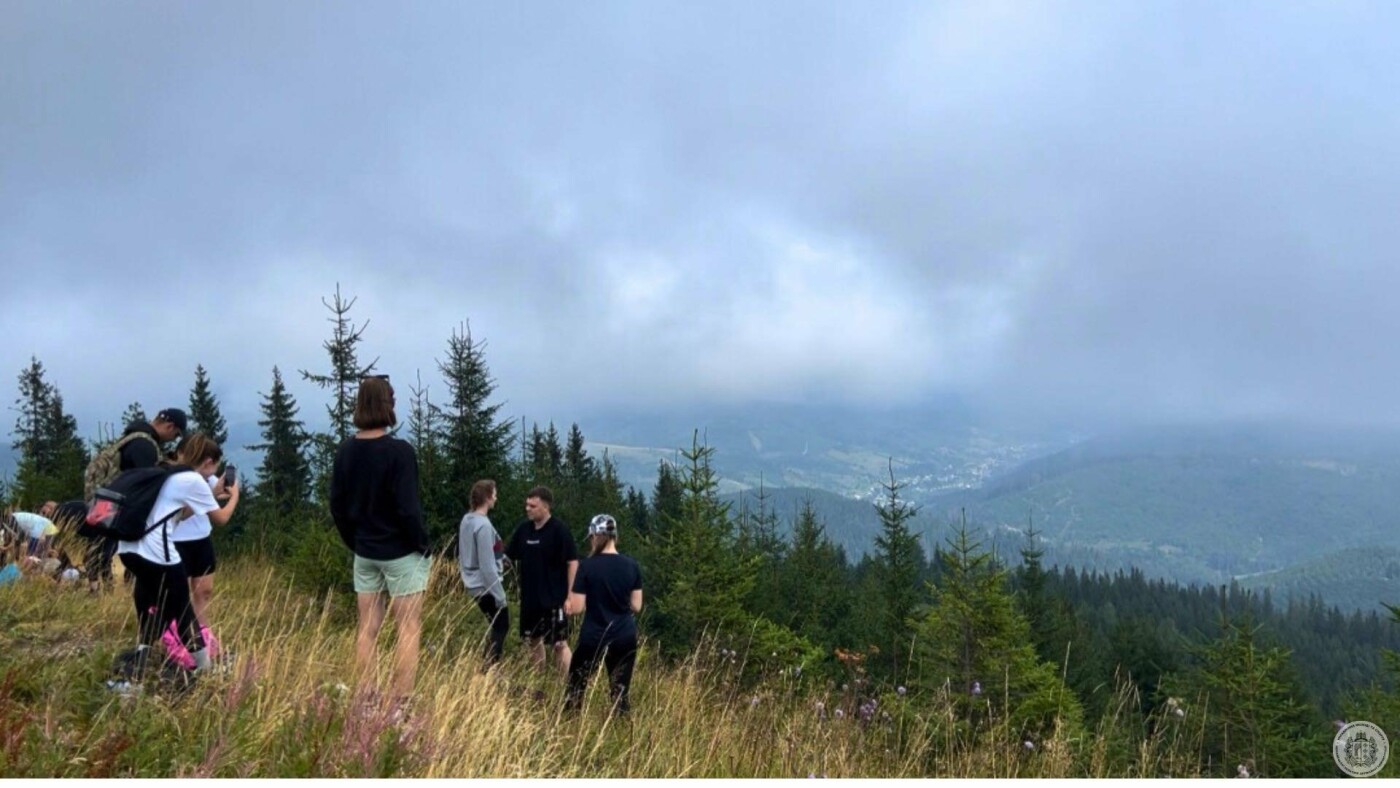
[210, 642]
[175, 650]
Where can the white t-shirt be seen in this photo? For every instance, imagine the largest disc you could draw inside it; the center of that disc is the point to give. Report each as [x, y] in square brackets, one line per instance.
[36, 525]
[186, 488]
[192, 529]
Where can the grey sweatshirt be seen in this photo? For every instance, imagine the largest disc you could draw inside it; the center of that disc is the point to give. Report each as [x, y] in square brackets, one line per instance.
[479, 551]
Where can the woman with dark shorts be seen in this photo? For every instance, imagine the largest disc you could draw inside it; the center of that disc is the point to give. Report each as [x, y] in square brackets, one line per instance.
[193, 536]
[608, 592]
[161, 583]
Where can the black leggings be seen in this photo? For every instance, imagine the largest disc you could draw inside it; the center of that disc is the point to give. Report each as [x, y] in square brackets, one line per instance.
[498, 616]
[619, 655]
[98, 560]
[167, 589]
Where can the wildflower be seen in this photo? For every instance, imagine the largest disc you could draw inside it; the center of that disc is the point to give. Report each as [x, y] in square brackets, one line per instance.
[900, 690]
[976, 688]
[845, 687]
[753, 701]
[797, 671]
[1242, 771]
[1028, 744]
[1180, 712]
[840, 714]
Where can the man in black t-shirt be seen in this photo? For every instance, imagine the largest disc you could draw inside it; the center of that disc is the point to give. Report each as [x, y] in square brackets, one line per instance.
[544, 554]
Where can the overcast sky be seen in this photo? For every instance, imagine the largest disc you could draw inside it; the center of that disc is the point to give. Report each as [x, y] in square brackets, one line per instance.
[1148, 209]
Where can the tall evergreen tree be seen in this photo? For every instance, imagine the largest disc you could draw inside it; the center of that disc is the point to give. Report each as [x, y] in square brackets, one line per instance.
[284, 477]
[474, 443]
[205, 416]
[1250, 694]
[33, 402]
[434, 484]
[975, 645]
[345, 373]
[814, 581]
[579, 469]
[705, 582]
[899, 562]
[52, 456]
[343, 380]
[133, 414]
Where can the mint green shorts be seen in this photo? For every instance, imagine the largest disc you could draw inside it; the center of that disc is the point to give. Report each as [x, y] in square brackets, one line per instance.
[400, 577]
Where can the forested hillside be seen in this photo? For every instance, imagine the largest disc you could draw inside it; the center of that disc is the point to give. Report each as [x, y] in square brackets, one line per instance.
[952, 638]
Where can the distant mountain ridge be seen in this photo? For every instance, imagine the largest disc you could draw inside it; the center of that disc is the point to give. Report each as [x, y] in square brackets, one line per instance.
[1203, 504]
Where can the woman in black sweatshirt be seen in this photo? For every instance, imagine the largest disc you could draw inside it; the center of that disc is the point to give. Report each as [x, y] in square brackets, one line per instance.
[376, 508]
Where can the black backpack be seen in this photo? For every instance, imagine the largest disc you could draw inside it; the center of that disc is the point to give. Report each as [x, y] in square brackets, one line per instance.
[119, 510]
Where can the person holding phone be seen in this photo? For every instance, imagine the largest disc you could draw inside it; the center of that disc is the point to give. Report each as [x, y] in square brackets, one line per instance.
[162, 589]
[193, 536]
[379, 515]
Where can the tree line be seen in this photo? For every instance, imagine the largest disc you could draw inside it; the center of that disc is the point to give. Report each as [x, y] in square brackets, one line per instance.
[1025, 647]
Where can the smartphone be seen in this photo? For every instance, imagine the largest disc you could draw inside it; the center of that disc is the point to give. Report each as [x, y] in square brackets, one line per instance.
[230, 475]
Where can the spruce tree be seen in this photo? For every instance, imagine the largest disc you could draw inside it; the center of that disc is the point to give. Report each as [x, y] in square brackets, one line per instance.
[474, 443]
[52, 456]
[1250, 696]
[133, 414]
[205, 416]
[284, 477]
[704, 580]
[899, 563]
[579, 469]
[814, 581]
[434, 483]
[345, 373]
[976, 646]
[343, 380]
[32, 405]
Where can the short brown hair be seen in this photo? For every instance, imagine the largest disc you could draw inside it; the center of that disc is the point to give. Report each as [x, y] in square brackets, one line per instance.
[374, 404]
[482, 492]
[196, 448]
[542, 492]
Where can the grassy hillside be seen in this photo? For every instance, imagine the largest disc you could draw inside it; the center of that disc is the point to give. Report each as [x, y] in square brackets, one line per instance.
[281, 709]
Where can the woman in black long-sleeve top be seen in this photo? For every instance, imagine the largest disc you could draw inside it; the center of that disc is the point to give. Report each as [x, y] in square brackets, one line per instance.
[376, 508]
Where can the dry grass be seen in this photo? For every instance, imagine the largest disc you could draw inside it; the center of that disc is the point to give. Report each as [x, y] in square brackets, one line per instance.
[282, 708]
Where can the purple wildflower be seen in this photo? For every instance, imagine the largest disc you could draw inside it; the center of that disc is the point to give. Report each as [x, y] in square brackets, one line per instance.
[976, 688]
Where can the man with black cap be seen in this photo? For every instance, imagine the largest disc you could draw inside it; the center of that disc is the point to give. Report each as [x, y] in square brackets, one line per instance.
[168, 426]
[139, 447]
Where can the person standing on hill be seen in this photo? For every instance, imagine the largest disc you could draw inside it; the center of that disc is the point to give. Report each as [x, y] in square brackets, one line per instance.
[544, 551]
[377, 510]
[479, 553]
[162, 589]
[168, 425]
[194, 535]
[608, 592]
[138, 447]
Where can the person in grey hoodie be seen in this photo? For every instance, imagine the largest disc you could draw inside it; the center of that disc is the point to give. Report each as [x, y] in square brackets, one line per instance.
[479, 552]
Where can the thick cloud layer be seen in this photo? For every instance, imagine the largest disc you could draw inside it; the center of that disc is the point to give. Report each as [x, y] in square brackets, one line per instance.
[1134, 210]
